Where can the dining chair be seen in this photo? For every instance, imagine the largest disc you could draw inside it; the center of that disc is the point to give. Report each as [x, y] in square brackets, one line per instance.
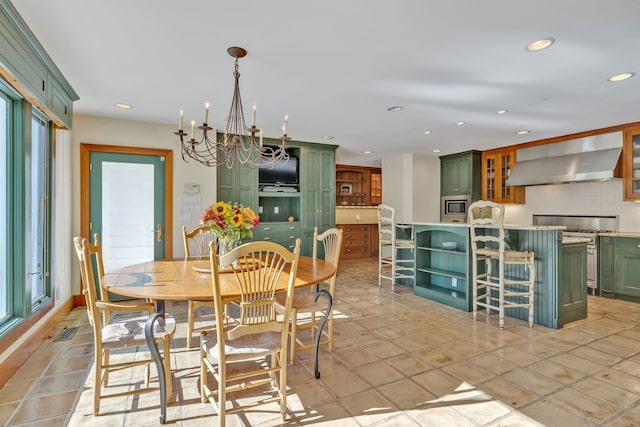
[395, 254]
[512, 285]
[306, 302]
[109, 335]
[258, 336]
[196, 245]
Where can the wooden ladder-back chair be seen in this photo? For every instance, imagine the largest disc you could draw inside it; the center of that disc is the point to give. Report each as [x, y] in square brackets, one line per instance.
[258, 336]
[502, 278]
[307, 303]
[395, 255]
[108, 335]
[196, 245]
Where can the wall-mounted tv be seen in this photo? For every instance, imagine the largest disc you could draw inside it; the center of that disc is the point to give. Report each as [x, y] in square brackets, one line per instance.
[283, 173]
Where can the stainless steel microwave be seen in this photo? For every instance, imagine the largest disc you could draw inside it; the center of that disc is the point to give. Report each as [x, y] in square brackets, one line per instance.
[454, 208]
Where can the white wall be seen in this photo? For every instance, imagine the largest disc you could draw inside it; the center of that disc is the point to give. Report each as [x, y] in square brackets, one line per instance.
[100, 130]
[411, 184]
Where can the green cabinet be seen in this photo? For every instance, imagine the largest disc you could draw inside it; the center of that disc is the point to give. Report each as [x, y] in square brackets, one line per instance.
[238, 184]
[619, 267]
[460, 174]
[572, 289]
[279, 232]
[285, 216]
[626, 267]
[443, 274]
[318, 187]
[605, 266]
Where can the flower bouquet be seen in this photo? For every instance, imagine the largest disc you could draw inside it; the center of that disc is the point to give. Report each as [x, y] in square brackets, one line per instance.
[230, 222]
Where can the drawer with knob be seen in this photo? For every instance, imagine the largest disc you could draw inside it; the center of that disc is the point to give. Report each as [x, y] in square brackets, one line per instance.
[356, 241]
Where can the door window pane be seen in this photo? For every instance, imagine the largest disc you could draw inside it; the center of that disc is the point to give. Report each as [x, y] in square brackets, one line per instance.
[127, 214]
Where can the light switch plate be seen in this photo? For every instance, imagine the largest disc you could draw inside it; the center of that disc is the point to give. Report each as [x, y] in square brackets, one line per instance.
[191, 188]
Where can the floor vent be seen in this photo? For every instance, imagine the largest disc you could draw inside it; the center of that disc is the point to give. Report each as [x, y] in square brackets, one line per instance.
[67, 334]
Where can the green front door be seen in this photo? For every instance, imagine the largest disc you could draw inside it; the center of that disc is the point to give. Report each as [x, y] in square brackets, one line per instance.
[126, 203]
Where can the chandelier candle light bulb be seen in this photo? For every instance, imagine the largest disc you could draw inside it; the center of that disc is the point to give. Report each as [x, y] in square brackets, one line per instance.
[193, 130]
[284, 125]
[206, 112]
[253, 116]
[181, 120]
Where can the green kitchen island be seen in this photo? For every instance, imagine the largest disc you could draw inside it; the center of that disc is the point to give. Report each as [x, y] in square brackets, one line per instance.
[443, 269]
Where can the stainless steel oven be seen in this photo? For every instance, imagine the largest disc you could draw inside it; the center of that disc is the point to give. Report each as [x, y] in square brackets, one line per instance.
[454, 208]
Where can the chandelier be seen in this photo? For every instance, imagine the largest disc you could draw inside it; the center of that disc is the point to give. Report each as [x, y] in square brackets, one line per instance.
[238, 143]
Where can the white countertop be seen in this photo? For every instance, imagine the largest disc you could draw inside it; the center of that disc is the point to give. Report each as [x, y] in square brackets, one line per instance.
[574, 240]
[621, 234]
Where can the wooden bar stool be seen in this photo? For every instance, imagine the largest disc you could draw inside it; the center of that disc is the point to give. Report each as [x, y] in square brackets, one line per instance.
[513, 285]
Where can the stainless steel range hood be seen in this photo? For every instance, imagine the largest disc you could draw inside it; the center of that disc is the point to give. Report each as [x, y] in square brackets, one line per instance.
[593, 158]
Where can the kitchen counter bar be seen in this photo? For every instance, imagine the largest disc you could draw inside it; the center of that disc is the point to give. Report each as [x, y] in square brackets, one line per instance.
[560, 292]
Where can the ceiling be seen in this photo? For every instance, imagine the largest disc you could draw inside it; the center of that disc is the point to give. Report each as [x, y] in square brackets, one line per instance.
[335, 67]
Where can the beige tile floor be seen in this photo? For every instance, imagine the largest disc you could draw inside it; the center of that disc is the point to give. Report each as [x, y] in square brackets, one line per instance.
[399, 360]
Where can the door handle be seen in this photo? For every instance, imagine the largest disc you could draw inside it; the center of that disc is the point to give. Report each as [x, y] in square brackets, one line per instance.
[159, 233]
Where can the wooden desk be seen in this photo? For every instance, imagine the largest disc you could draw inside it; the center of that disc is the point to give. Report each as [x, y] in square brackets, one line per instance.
[184, 280]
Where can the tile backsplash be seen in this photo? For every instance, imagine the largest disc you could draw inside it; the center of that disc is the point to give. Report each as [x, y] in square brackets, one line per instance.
[582, 198]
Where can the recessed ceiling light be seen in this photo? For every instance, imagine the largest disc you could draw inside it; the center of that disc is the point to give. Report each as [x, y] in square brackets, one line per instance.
[501, 111]
[328, 137]
[522, 132]
[459, 123]
[123, 105]
[437, 150]
[395, 108]
[621, 77]
[367, 152]
[540, 44]
[427, 132]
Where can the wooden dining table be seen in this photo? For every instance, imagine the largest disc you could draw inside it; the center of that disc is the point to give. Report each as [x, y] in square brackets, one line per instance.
[184, 280]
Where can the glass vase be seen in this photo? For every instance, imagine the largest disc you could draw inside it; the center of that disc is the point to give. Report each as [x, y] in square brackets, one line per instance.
[226, 245]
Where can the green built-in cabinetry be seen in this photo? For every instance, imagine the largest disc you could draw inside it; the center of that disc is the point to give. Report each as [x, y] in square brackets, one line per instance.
[619, 267]
[443, 274]
[460, 174]
[27, 67]
[572, 289]
[286, 216]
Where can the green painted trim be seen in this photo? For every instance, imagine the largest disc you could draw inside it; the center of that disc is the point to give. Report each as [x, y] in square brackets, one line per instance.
[26, 60]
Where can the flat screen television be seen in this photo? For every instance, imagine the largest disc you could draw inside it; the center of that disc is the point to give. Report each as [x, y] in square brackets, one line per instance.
[282, 174]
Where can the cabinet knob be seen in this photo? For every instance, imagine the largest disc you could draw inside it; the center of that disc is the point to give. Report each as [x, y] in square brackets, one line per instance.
[267, 229]
[267, 238]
